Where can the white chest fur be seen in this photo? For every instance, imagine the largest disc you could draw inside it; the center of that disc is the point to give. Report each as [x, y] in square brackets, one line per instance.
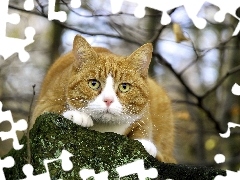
[116, 128]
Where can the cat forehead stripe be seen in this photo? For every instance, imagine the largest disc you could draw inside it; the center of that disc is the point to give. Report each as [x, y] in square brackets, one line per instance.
[109, 81]
[108, 90]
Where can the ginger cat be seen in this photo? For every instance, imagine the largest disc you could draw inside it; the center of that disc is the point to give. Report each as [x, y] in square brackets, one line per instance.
[109, 93]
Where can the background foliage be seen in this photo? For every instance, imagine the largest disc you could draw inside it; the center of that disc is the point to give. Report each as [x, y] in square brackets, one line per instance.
[198, 73]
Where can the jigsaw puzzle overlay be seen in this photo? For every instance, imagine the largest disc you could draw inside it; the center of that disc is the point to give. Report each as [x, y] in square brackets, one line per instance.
[236, 89]
[6, 45]
[65, 162]
[7, 49]
[220, 158]
[7, 162]
[20, 125]
[192, 8]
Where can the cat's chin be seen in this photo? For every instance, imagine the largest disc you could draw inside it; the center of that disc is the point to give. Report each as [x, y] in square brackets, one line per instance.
[112, 118]
[108, 117]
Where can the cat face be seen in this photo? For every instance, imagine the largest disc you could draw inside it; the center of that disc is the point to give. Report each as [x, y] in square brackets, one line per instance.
[107, 107]
[110, 88]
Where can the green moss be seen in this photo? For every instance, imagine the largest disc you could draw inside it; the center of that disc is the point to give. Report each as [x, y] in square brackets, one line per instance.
[92, 150]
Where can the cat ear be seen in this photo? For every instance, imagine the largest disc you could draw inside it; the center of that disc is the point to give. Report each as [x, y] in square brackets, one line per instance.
[82, 50]
[141, 58]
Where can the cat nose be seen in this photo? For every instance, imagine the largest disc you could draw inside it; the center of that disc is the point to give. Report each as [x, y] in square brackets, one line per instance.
[108, 101]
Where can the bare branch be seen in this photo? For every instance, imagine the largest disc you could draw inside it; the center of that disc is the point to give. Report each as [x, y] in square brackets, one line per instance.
[28, 129]
[64, 25]
[185, 102]
[194, 61]
[230, 72]
[190, 91]
[163, 61]
[41, 6]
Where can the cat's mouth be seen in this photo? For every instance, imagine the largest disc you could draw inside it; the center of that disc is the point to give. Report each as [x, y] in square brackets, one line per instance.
[100, 111]
[111, 114]
[104, 116]
[108, 112]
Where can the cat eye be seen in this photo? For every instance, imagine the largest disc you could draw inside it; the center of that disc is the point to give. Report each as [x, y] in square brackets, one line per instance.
[124, 87]
[94, 84]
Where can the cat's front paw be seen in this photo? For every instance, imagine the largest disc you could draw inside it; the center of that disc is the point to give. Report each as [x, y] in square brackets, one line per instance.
[79, 118]
[149, 146]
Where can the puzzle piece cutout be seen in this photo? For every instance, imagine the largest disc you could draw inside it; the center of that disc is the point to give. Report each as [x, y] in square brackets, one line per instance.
[231, 175]
[28, 171]
[87, 173]
[9, 46]
[28, 5]
[75, 3]
[229, 7]
[61, 15]
[52, 14]
[236, 89]
[7, 162]
[220, 158]
[137, 167]
[227, 133]
[20, 125]
[162, 5]
[65, 162]
[192, 8]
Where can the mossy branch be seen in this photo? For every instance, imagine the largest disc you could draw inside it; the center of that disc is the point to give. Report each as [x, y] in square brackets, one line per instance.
[92, 150]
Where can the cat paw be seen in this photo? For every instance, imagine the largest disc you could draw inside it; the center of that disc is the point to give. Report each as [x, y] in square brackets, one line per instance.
[79, 118]
[149, 147]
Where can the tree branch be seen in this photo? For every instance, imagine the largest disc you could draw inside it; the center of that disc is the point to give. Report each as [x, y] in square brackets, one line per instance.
[230, 72]
[199, 103]
[28, 129]
[163, 61]
[66, 26]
